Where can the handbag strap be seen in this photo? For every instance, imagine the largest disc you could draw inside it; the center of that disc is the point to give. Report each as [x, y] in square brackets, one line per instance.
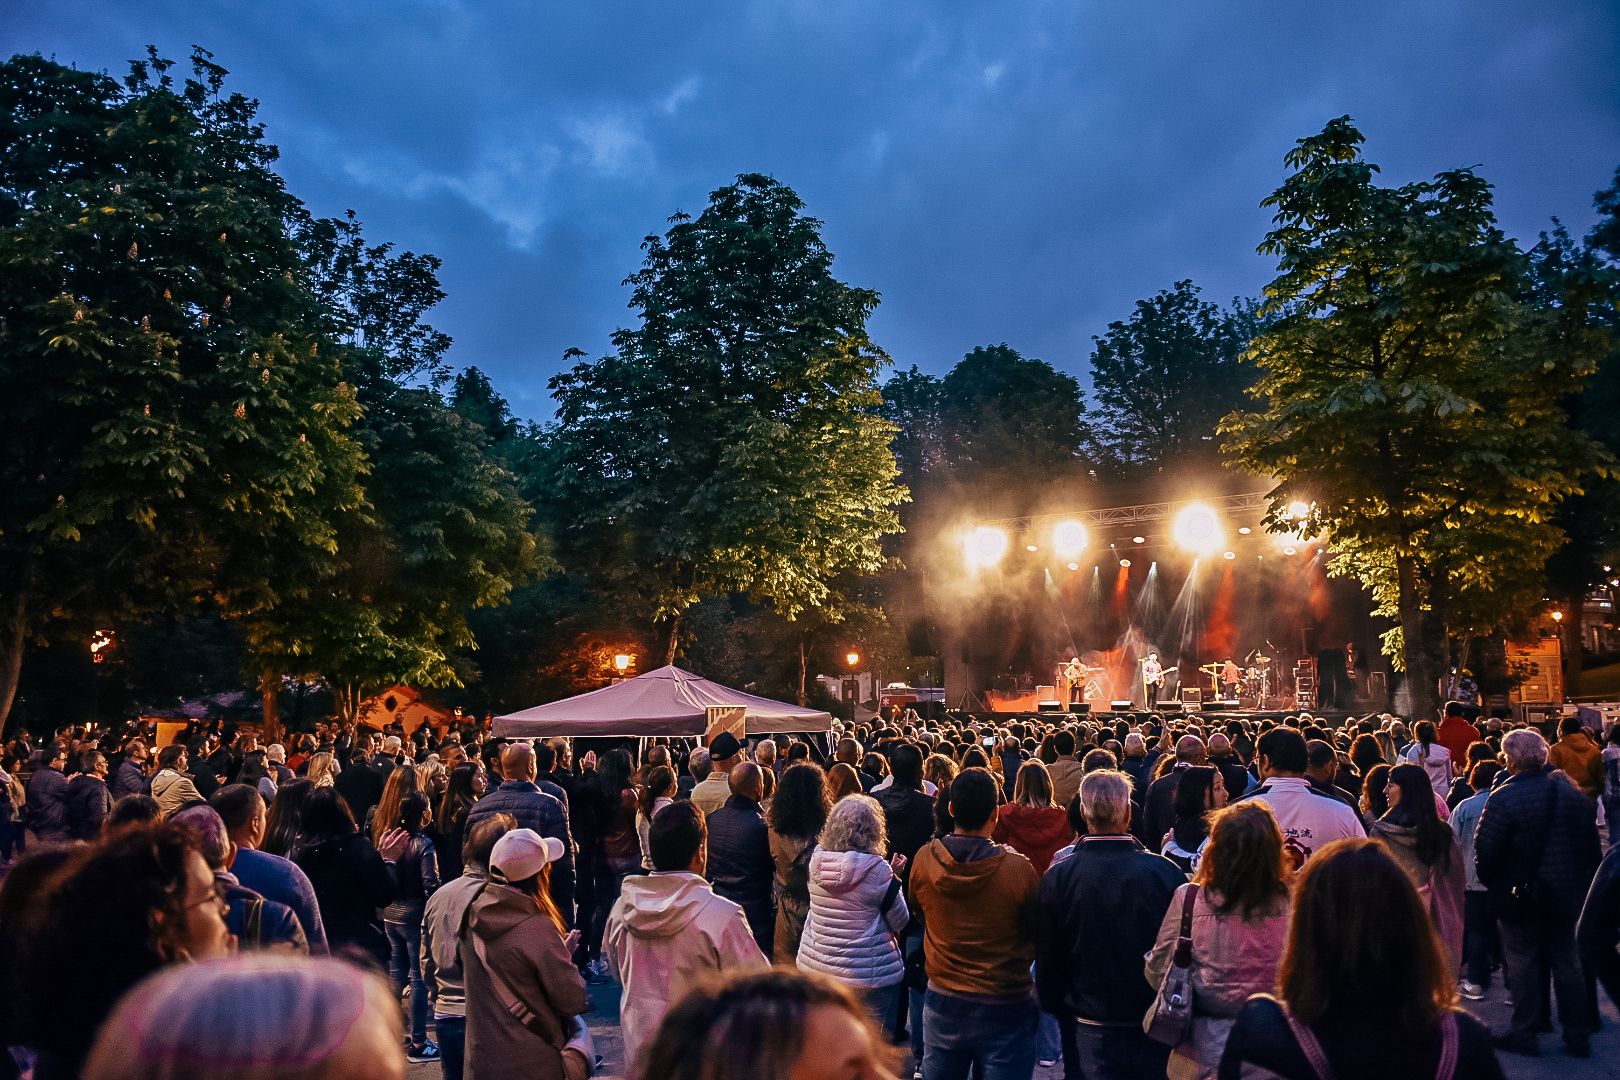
[1448, 1047]
[1306, 1038]
[1183, 957]
[509, 1001]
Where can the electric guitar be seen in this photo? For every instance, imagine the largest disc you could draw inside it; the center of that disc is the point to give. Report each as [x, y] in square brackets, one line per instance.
[1157, 680]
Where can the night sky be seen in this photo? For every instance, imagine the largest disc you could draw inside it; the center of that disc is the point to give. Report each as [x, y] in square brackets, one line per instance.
[1013, 171]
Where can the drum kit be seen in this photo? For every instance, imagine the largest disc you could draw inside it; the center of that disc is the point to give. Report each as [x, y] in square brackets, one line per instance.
[1254, 683]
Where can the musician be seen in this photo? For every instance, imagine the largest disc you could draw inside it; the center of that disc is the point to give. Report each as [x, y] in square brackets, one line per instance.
[1152, 680]
[1074, 673]
[1230, 677]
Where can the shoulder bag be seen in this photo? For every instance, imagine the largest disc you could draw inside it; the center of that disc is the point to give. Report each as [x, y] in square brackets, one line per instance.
[1523, 899]
[1318, 1059]
[1169, 1018]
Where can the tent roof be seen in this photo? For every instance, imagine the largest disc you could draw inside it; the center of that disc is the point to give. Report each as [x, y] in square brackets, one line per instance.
[665, 701]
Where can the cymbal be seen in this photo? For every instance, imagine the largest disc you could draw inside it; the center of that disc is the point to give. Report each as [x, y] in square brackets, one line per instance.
[1262, 659]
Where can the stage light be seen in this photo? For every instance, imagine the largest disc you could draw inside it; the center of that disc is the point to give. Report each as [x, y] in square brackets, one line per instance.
[1126, 563]
[1069, 538]
[1074, 566]
[1298, 510]
[1230, 555]
[1031, 547]
[1138, 539]
[984, 547]
[1289, 551]
[1198, 529]
[1245, 531]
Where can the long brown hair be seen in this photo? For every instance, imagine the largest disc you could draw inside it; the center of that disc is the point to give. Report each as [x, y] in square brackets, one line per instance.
[1245, 862]
[1033, 785]
[1361, 942]
[401, 783]
[538, 889]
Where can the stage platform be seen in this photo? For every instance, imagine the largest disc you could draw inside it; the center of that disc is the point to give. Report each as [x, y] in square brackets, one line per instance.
[1205, 715]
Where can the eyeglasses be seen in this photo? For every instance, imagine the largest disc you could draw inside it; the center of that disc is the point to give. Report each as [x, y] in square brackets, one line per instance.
[216, 895]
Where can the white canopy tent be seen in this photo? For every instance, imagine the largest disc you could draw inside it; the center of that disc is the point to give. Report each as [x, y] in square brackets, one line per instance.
[665, 701]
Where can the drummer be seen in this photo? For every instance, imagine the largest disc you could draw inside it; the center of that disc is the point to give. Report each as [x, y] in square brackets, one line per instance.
[1230, 677]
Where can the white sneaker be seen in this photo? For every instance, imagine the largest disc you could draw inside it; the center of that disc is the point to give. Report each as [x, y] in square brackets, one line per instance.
[1471, 991]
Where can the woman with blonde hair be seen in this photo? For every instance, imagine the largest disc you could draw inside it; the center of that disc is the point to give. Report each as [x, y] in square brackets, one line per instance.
[323, 769]
[856, 908]
[256, 1016]
[1364, 989]
[1239, 922]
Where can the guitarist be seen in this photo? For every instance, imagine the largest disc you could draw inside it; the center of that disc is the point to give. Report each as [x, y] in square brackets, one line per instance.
[1152, 680]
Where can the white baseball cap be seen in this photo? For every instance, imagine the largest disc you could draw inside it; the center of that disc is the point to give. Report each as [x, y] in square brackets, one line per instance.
[523, 853]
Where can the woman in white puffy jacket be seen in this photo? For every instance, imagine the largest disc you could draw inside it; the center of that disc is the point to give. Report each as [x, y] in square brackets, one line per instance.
[857, 911]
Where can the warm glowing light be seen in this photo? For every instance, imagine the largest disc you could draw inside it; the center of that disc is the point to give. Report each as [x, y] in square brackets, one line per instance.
[1031, 547]
[1245, 531]
[1298, 510]
[1138, 539]
[1289, 551]
[1229, 556]
[1069, 538]
[1558, 616]
[852, 657]
[1074, 566]
[622, 662]
[984, 547]
[1198, 529]
[1126, 563]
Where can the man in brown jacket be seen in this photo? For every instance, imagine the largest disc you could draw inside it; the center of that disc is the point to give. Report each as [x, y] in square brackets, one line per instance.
[979, 902]
[1579, 755]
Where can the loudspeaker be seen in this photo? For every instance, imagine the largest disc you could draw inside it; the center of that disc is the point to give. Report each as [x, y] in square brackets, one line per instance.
[1049, 706]
[1080, 708]
[1170, 706]
[1121, 706]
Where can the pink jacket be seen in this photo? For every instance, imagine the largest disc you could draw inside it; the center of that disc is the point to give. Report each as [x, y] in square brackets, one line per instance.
[1232, 958]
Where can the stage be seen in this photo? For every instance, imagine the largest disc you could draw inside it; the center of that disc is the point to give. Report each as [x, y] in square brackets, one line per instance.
[1205, 714]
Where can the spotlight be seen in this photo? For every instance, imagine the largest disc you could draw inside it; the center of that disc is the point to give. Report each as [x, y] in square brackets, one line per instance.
[1245, 531]
[1126, 563]
[1031, 547]
[1298, 510]
[1138, 539]
[1069, 538]
[1074, 566]
[1198, 529]
[984, 547]
[1289, 551]
[1230, 555]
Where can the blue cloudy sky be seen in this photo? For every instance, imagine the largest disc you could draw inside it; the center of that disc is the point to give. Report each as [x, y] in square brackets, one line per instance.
[1016, 171]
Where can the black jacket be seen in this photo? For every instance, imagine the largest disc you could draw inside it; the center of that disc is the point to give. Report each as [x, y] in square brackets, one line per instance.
[1516, 842]
[740, 863]
[1598, 932]
[1158, 809]
[909, 817]
[1100, 914]
[351, 882]
[47, 804]
[129, 779]
[361, 787]
[536, 810]
[1358, 1048]
[88, 804]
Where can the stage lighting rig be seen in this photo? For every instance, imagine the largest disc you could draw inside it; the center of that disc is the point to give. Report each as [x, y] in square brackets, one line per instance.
[1069, 538]
[1198, 529]
[984, 547]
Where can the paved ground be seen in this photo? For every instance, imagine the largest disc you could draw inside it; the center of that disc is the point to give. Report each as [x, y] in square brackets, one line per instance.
[1604, 1064]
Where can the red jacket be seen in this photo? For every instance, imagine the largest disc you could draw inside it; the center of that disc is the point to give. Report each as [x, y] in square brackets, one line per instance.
[1455, 733]
[1035, 832]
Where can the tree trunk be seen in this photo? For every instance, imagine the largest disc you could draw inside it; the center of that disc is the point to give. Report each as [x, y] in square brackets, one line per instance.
[674, 642]
[269, 684]
[1572, 639]
[13, 640]
[1420, 678]
[804, 670]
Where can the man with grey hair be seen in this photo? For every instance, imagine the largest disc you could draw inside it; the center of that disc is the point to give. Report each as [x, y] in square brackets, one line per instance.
[1535, 849]
[257, 923]
[1140, 760]
[1100, 911]
[698, 768]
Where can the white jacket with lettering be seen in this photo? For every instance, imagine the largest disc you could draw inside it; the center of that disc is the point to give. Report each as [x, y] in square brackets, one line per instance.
[1309, 818]
[848, 935]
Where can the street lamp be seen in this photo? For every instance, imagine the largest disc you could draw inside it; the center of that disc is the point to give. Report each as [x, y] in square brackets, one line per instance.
[622, 662]
[852, 658]
[1558, 616]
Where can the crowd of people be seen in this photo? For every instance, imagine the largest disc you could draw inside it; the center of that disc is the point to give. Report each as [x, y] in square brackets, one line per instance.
[1186, 896]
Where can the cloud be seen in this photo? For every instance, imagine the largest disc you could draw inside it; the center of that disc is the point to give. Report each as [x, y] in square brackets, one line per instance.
[684, 91]
[610, 144]
[993, 73]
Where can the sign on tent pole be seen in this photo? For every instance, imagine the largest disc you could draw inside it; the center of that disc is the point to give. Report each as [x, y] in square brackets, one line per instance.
[732, 718]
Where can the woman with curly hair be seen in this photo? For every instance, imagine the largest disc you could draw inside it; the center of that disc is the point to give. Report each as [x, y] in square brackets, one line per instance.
[142, 899]
[796, 816]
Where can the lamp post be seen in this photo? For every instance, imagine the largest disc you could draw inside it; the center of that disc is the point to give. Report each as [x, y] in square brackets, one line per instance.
[621, 664]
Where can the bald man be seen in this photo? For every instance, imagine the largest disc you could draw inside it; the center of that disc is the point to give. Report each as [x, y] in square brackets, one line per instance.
[520, 796]
[740, 864]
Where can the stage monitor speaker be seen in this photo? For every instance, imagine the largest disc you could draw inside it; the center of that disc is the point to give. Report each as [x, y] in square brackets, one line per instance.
[1080, 708]
[1122, 706]
[1170, 707]
[1046, 693]
[1049, 706]
[1192, 694]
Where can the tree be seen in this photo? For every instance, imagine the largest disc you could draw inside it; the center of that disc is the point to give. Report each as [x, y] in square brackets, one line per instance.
[1407, 391]
[731, 442]
[1580, 283]
[1164, 378]
[171, 391]
[1004, 416]
[912, 402]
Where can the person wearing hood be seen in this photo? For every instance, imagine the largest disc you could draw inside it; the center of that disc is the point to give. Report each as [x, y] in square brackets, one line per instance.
[523, 991]
[1426, 848]
[669, 930]
[172, 787]
[441, 944]
[857, 911]
[979, 903]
